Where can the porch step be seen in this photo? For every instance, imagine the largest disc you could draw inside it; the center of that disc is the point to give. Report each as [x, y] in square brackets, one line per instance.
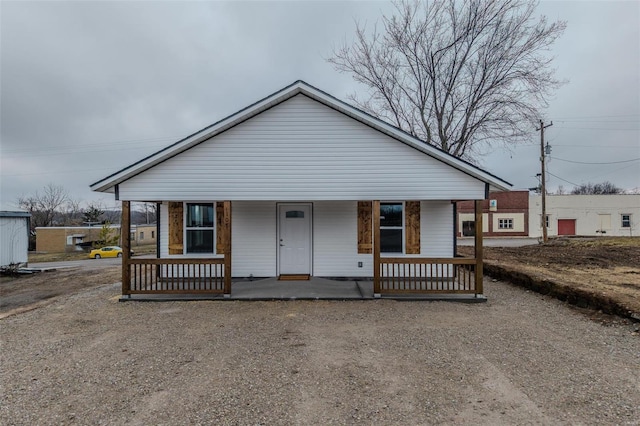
[292, 277]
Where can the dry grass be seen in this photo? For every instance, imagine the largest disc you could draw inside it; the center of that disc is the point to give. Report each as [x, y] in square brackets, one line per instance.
[606, 267]
[604, 242]
[57, 257]
[81, 255]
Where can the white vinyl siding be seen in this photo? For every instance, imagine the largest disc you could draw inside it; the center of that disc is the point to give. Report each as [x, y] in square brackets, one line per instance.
[436, 229]
[335, 239]
[253, 239]
[302, 150]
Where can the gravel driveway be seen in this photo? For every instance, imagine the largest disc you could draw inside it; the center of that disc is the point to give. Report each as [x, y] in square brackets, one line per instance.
[521, 358]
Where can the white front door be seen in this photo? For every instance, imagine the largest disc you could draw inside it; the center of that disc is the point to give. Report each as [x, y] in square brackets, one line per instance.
[294, 238]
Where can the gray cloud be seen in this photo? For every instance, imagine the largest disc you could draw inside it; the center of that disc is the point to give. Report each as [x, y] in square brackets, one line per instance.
[90, 87]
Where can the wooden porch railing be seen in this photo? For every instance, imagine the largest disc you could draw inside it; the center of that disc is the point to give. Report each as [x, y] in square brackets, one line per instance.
[174, 276]
[427, 275]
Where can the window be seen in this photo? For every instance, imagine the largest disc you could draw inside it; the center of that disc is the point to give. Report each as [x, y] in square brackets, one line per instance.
[153, 234]
[199, 227]
[626, 221]
[505, 223]
[546, 218]
[391, 227]
[141, 235]
[294, 214]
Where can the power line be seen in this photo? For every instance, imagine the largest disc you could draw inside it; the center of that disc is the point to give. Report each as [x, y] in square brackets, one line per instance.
[583, 162]
[591, 146]
[598, 128]
[588, 120]
[564, 180]
[597, 116]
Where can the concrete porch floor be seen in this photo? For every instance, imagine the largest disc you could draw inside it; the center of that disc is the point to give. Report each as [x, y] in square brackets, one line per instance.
[314, 289]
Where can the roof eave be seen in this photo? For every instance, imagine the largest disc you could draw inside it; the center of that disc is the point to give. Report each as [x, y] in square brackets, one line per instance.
[107, 184]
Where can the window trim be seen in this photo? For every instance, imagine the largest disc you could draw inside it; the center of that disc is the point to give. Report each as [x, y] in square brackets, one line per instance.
[622, 221]
[403, 244]
[185, 229]
[508, 220]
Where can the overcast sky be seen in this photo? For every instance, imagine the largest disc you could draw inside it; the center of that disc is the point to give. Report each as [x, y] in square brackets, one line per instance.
[88, 88]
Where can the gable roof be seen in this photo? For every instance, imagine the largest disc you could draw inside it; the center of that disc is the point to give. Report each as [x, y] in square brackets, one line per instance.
[299, 87]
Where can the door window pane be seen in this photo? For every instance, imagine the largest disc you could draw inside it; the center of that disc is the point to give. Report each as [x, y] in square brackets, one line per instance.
[297, 214]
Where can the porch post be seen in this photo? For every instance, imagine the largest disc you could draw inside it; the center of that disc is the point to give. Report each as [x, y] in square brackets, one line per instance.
[478, 246]
[125, 229]
[376, 248]
[227, 247]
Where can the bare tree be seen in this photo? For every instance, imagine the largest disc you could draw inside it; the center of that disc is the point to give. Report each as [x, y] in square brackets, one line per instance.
[604, 188]
[460, 75]
[145, 213]
[71, 213]
[44, 205]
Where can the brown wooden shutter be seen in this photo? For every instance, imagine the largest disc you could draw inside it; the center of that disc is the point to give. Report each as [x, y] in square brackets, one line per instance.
[175, 228]
[220, 240]
[412, 227]
[364, 227]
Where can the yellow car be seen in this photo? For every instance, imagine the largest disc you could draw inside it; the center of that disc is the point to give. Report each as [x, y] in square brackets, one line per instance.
[111, 251]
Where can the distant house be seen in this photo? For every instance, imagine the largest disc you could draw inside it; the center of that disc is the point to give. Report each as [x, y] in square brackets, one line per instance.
[60, 239]
[301, 184]
[586, 215]
[14, 238]
[504, 214]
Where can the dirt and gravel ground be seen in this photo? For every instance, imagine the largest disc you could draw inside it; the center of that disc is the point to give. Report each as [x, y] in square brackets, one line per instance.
[520, 358]
[32, 291]
[607, 269]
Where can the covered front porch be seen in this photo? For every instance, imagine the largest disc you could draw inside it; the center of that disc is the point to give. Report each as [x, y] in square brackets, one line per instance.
[212, 277]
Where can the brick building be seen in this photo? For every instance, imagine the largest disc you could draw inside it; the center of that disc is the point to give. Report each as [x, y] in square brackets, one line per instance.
[504, 214]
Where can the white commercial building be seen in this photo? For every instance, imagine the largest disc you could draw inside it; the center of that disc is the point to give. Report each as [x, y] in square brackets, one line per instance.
[607, 215]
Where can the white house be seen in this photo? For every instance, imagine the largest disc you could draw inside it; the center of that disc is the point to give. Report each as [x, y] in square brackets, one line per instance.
[586, 215]
[14, 238]
[304, 185]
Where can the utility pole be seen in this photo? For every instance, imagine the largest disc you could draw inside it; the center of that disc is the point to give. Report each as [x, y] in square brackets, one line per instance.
[543, 189]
